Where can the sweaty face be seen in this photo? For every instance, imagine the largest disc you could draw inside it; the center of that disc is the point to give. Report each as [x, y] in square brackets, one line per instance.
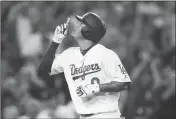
[76, 28]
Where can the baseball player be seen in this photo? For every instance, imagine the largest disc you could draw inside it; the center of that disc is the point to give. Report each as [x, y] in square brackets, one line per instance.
[94, 74]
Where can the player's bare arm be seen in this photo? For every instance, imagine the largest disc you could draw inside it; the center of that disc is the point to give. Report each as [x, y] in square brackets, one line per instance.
[47, 60]
[114, 86]
[45, 65]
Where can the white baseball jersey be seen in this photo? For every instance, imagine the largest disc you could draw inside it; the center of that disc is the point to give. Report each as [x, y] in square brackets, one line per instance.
[98, 64]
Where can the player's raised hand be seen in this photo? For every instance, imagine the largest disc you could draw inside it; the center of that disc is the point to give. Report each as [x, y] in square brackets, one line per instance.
[61, 32]
[87, 90]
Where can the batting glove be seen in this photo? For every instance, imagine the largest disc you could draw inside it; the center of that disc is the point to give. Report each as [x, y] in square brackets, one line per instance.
[87, 90]
[61, 32]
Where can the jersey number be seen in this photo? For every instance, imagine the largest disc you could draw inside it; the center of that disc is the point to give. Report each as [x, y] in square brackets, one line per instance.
[95, 80]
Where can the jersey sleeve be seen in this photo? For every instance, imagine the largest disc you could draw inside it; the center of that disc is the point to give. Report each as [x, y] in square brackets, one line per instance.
[57, 66]
[114, 68]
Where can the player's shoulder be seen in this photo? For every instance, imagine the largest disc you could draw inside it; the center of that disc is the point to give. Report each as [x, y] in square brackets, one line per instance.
[70, 50]
[67, 51]
[106, 51]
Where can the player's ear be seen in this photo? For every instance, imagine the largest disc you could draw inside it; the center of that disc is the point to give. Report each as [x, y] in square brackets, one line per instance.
[83, 25]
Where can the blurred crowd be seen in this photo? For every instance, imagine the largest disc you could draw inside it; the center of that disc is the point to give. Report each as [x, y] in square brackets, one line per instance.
[141, 33]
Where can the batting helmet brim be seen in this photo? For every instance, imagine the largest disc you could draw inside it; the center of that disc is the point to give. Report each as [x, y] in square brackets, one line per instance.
[79, 18]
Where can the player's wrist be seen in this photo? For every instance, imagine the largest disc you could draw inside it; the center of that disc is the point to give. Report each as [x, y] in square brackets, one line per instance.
[101, 88]
[58, 39]
[54, 43]
[96, 88]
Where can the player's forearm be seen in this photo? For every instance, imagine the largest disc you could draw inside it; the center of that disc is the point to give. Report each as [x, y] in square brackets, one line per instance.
[47, 60]
[114, 86]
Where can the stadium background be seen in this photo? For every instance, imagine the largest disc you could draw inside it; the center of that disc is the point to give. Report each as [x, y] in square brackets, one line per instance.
[141, 33]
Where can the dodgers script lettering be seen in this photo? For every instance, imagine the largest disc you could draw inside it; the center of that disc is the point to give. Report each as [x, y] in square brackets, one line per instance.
[84, 70]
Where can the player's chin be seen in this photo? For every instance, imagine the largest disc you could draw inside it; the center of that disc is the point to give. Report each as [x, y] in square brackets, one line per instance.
[72, 34]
